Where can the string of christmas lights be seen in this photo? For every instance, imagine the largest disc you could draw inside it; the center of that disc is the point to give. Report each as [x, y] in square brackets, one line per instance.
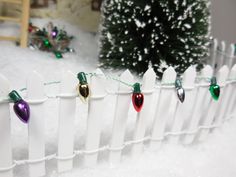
[22, 109]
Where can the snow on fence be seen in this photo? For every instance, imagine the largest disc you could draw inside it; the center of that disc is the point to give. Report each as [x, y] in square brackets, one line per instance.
[173, 121]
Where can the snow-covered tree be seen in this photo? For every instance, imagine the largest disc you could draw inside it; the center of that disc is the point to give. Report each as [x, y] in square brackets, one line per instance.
[137, 33]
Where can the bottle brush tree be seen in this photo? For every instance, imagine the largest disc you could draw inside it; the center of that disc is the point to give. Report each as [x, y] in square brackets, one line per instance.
[138, 33]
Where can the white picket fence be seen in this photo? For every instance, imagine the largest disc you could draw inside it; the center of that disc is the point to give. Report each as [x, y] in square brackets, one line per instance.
[173, 121]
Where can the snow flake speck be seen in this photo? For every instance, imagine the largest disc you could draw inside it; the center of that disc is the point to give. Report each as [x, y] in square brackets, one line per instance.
[109, 36]
[187, 25]
[147, 7]
[139, 24]
[139, 58]
[145, 50]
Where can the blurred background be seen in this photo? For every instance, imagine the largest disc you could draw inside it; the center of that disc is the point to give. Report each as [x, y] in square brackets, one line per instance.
[86, 14]
[223, 20]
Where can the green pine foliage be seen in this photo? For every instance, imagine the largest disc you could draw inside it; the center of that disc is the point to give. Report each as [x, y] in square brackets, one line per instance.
[161, 33]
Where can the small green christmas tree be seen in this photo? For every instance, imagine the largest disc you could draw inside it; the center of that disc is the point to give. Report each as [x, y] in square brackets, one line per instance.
[162, 33]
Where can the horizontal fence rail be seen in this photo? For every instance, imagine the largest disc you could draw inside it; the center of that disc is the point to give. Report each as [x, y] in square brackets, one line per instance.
[171, 120]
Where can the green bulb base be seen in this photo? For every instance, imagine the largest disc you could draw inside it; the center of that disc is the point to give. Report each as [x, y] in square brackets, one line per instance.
[136, 87]
[14, 96]
[82, 78]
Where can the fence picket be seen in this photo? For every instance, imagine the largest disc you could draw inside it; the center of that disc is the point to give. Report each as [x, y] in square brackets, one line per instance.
[184, 110]
[94, 122]
[213, 56]
[149, 79]
[220, 56]
[230, 56]
[231, 104]
[120, 119]
[36, 98]
[214, 105]
[163, 105]
[228, 90]
[67, 108]
[234, 56]
[198, 107]
[5, 130]
[222, 102]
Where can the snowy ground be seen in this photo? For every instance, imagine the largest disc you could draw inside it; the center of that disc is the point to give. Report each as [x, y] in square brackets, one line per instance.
[213, 158]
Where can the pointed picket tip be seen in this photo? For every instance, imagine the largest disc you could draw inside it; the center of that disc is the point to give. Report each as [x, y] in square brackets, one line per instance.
[149, 79]
[35, 75]
[222, 75]
[232, 74]
[99, 72]
[234, 67]
[4, 86]
[35, 86]
[223, 69]
[169, 75]
[231, 50]
[189, 77]
[150, 73]
[128, 78]
[97, 84]
[69, 72]
[222, 46]
[207, 71]
[126, 73]
[68, 82]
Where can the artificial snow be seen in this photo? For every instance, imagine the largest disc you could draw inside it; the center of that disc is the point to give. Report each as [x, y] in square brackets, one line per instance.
[214, 157]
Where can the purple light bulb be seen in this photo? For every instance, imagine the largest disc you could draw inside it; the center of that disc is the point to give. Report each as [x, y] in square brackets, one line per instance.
[21, 107]
[54, 32]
